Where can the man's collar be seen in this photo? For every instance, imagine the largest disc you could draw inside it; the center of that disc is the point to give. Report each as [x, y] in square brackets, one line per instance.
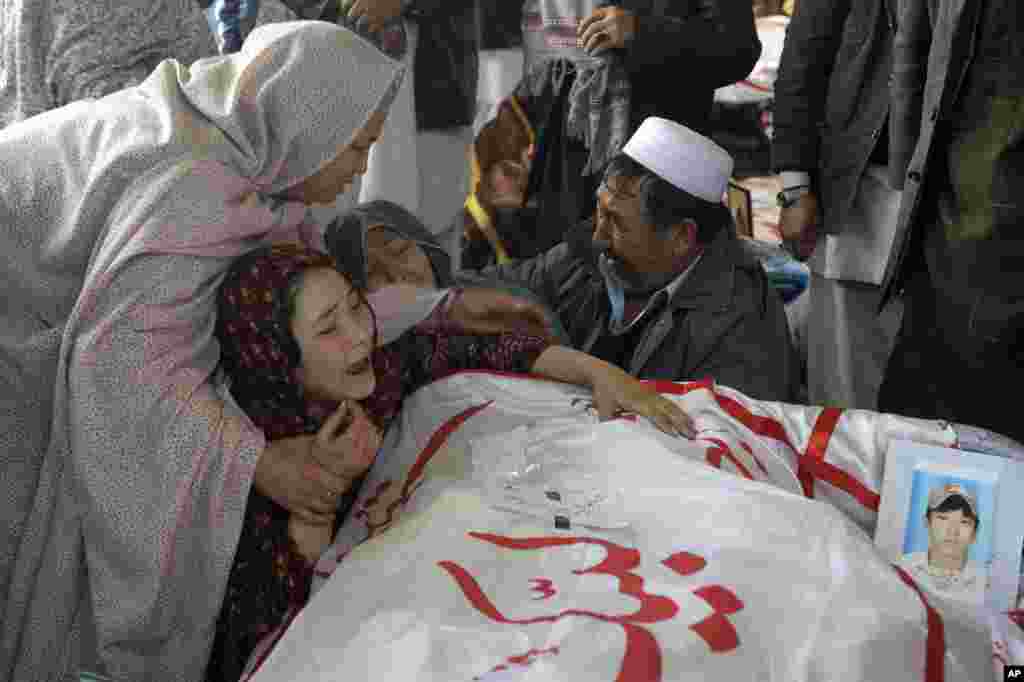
[709, 283]
[672, 287]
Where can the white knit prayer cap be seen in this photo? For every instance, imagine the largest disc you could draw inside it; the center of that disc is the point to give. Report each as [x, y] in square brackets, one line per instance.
[685, 158]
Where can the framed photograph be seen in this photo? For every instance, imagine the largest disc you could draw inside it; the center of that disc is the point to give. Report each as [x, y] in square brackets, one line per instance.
[951, 520]
[741, 206]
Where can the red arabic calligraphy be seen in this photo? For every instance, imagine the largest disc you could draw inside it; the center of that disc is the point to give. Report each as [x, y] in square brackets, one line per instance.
[642, 659]
[544, 586]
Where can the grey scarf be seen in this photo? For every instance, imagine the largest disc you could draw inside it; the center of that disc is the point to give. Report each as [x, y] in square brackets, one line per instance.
[599, 99]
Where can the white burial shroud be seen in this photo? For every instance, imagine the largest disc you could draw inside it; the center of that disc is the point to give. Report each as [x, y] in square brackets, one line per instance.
[513, 537]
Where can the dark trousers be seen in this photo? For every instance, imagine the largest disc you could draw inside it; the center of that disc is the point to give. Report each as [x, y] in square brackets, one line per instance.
[959, 360]
[960, 352]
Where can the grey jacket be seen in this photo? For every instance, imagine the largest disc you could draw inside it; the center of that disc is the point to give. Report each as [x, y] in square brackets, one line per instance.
[930, 60]
[447, 62]
[724, 322]
[832, 96]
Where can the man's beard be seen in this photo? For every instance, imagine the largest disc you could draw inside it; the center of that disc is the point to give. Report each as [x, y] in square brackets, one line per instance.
[633, 283]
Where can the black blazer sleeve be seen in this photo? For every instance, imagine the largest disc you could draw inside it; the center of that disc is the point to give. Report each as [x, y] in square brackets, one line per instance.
[717, 43]
[808, 56]
[910, 71]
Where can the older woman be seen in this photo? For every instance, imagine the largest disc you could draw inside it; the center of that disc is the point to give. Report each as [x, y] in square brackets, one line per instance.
[298, 341]
[421, 162]
[380, 243]
[126, 464]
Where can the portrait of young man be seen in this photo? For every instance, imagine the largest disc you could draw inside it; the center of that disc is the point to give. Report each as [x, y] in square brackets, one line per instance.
[952, 521]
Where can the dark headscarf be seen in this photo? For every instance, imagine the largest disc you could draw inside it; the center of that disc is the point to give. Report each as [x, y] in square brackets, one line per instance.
[258, 352]
[261, 358]
[346, 239]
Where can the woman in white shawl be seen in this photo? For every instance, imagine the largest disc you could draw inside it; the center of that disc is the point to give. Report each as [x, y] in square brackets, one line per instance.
[126, 466]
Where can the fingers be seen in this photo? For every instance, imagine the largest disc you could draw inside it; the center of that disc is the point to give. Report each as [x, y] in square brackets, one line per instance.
[318, 501]
[606, 409]
[364, 440]
[309, 516]
[604, 29]
[327, 484]
[664, 424]
[345, 447]
[358, 9]
[592, 38]
[669, 418]
[534, 321]
[317, 508]
[335, 425]
[680, 422]
[373, 14]
[588, 22]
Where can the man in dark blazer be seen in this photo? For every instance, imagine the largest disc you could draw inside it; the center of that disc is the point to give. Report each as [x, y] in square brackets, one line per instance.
[838, 207]
[958, 150]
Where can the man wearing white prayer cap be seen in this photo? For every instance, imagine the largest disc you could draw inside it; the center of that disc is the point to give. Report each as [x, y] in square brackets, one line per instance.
[657, 282]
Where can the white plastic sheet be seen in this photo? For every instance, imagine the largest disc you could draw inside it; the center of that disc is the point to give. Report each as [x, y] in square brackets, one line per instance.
[513, 537]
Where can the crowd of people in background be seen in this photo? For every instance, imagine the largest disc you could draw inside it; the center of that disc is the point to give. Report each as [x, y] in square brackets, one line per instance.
[590, 203]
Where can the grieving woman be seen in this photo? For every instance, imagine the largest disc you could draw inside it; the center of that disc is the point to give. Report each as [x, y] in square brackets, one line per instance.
[126, 464]
[381, 244]
[298, 345]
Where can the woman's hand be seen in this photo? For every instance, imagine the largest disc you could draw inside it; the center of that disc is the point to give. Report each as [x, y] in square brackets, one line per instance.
[307, 475]
[607, 28]
[288, 474]
[347, 443]
[616, 392]
[490, 311]
[311, 539]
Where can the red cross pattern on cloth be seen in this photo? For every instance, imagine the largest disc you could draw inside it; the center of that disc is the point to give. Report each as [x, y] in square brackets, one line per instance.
[717, 450]
[811, 462]
[641, 661]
